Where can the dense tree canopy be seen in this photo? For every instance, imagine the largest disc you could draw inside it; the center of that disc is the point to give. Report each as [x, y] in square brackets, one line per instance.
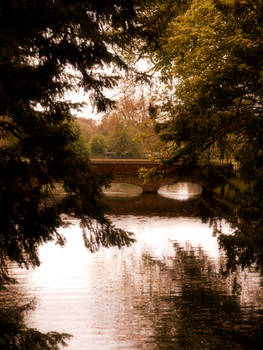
[49, 47]
[212, 54]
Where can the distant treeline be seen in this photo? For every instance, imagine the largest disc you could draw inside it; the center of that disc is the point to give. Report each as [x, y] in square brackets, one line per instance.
[125, 132]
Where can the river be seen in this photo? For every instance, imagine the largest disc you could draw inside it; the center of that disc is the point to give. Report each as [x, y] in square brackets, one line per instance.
[164, 292]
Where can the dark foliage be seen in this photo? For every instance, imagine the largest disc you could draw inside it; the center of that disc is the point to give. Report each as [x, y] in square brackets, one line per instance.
[42, 44]
[212, 54]
[15, 334]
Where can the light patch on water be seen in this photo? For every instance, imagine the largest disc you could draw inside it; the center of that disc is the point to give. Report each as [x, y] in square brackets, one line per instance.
[117, 298]
[123, 190]
[180, 190]
[93, 296]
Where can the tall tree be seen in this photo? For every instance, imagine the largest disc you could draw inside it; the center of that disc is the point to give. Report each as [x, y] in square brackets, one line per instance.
[128, 128]
[49, 47]
[212, 53]
[97, 146]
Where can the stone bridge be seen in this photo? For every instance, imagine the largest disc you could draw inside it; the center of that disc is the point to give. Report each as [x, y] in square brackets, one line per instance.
[126, 171]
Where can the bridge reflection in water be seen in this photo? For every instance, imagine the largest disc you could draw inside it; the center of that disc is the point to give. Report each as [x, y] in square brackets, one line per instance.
[150, 204]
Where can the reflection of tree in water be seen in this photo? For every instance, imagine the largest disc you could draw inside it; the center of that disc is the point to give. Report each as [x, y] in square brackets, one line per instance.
[197, 309]
[14, 333]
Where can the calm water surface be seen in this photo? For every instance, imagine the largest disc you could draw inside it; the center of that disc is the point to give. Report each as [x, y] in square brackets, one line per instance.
[163, 292]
